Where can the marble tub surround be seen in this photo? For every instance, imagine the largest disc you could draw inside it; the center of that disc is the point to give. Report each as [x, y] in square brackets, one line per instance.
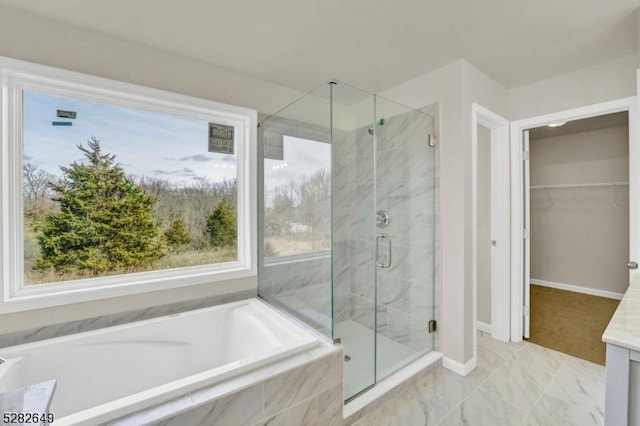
[35, 398]
[514, 384]
[95, 323]
[305, 389]
[624, 328]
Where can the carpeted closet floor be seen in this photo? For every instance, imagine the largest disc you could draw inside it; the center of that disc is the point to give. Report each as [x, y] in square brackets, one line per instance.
[570, 322]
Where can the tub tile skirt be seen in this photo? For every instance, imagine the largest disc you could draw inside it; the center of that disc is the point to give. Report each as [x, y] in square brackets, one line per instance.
[307, 394]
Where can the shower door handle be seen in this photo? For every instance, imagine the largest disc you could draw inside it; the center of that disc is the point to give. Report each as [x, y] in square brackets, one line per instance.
[386, 264]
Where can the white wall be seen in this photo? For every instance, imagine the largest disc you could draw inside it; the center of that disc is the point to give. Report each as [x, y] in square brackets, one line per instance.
[604, 82]
[31, 38]
[484, 225]
[583, 238]
[455, 86]
[45, 41]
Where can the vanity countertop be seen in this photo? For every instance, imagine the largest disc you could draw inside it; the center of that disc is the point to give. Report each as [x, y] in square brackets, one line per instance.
[624, 328]
[35, 398]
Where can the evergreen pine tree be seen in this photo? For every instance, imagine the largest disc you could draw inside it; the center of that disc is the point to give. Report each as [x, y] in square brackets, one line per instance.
[221, 225]
[177, 235]
[104, 222]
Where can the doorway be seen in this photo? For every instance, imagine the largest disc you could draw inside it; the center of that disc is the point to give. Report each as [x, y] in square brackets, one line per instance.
[578, 225]
[490, 223]
[573, 197]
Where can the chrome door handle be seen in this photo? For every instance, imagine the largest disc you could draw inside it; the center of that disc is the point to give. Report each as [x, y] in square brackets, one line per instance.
[632, 265]
[388, 238]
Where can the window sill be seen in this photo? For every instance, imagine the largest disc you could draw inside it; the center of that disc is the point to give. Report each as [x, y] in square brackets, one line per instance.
[65, 293]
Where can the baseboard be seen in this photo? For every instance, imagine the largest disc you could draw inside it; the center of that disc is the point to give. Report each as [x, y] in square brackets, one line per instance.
[483, 326]
[578, 289]
[458, 367]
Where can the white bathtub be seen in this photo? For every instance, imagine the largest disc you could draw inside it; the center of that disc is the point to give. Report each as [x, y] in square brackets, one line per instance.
[119, 370]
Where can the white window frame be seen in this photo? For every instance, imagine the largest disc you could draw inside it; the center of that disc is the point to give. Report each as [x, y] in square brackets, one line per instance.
[17, 76]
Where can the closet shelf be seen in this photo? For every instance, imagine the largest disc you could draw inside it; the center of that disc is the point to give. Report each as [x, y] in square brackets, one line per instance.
[580, 185]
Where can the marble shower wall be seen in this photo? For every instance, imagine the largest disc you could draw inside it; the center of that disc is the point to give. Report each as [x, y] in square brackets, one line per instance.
[405, 189]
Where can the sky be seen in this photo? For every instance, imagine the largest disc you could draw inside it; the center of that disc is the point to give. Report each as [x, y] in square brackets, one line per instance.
[145, 143]
[149, 144]
[301, 157]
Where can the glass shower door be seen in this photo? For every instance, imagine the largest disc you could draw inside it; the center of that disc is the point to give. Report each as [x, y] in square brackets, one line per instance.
[353, 200]
[404, 234]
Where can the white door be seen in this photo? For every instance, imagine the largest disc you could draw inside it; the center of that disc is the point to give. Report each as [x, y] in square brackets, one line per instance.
[526, 241]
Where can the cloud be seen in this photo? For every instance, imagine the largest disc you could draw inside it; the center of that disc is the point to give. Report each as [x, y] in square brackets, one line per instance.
[198, 157]
[229, 159]
[27, 158]
[186, 172]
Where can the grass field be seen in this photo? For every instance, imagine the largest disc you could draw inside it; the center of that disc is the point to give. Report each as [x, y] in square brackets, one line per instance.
[287, 245]
[171, 260]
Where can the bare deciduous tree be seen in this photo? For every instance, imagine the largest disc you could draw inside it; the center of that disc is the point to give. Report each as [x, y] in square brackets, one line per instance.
[36, 186]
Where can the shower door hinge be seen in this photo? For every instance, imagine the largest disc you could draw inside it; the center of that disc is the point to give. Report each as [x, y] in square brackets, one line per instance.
[525, 311]
[525, 155]
[432, 326]
[432, 141]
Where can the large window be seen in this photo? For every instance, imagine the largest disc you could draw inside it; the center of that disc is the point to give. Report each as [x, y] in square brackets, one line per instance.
[107, 185]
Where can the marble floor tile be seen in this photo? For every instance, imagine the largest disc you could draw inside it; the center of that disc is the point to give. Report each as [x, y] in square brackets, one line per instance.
[552, 411]
[483, 409]
[513, 384]
[503, 350]
[518, 384]
[580, 383]
[523, 378]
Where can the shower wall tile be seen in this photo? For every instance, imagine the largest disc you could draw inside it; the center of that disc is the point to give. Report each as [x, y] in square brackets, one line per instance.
[410, 329]
[395, 293]
[297, 273]
[341, 252]
[362, 312]
[341, 307]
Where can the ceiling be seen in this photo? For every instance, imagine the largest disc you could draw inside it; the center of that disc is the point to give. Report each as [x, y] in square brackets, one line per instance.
[376, 44]
[582, 125]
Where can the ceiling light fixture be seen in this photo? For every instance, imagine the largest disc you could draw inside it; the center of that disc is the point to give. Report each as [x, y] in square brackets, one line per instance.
[558, 124]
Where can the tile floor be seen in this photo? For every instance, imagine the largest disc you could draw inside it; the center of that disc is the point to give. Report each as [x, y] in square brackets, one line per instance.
[514, 384]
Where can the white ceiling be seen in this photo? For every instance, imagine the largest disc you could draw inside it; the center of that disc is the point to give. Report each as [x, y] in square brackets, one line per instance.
[374, 44]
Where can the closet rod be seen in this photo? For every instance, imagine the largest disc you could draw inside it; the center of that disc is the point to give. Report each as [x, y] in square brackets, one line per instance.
[580, 185]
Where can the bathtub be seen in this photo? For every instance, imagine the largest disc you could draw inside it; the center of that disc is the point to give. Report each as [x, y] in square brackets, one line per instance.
[105, 374]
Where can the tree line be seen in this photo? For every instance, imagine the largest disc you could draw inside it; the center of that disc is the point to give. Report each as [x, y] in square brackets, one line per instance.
[95, 218]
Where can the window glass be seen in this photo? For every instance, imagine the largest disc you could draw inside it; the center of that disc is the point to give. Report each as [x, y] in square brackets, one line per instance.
[111, 190]
[298, 199]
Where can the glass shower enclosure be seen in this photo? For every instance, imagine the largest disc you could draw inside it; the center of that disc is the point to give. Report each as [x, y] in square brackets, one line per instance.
[346, 225]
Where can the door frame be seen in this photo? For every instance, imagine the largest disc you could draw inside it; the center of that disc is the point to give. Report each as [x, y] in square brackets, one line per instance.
[500, 225]
[517, 190]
